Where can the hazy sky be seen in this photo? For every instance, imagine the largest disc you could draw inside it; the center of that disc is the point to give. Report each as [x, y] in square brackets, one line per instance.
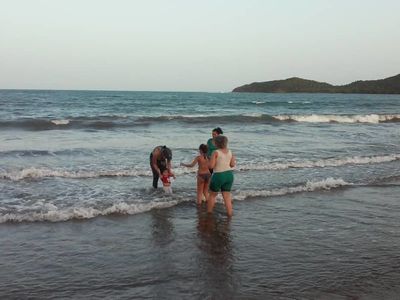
[187, 45]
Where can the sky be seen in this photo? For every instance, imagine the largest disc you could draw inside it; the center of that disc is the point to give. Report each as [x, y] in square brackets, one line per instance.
[187, 45]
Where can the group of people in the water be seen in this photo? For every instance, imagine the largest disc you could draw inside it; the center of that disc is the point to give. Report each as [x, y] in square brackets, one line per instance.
[215, 170]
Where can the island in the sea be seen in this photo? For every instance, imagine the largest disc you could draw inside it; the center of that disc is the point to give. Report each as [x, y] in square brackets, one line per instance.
[390, 85]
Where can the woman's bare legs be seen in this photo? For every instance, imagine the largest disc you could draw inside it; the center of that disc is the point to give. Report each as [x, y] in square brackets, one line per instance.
[205, 189]
[228, 203]
[200, 184]
[211, 201]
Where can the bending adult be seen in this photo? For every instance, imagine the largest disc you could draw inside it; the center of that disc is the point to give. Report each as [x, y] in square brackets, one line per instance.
[222, 161]
[211, 142]
[160, 160]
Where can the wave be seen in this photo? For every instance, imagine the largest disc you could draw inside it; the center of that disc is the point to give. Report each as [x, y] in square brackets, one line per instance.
[322, 163]
[267, 119]
[42, 172]
[99, 122]
[110, 122]
[371, 118]
[60, 122]
[37, 173]
[309, 186]
[51, 213]
[32, 153]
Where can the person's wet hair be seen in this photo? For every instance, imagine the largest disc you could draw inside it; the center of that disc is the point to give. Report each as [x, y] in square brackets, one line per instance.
[218, 130]
[221, 141]
[166, 153]
[203, 148]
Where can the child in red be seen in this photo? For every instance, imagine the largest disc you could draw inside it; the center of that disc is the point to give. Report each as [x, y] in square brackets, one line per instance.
[166, 181]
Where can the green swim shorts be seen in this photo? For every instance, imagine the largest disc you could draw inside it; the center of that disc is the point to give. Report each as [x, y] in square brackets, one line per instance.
[221, 181]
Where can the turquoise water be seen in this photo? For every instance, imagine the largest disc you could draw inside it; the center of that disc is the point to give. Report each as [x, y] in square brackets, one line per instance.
[329, 163]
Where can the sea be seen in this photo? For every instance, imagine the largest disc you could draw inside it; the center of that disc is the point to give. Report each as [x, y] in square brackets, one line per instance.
[316, 196]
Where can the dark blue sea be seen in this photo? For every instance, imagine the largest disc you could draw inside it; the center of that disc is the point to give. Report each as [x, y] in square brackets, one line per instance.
[316, 197]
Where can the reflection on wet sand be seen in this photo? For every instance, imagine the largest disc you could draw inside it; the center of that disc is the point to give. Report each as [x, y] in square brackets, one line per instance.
[162, 227]
[161, 258]
[216, 258]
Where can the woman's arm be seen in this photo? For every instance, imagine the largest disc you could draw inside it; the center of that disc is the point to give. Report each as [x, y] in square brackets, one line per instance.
[213, 160]
[233, 161]
[192, 164]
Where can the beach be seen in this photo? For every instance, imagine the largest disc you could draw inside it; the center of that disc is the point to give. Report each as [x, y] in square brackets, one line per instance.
[316, 200]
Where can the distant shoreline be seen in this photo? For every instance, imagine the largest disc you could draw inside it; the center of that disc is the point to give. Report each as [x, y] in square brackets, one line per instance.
[390, 85]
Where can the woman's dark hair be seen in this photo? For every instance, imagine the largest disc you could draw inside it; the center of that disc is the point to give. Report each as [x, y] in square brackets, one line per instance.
[203, 148]
[166, 153]
[218, 130]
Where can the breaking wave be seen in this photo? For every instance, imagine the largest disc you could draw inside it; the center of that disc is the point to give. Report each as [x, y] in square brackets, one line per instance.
[42, 172]
[51, 213]
[110, 122]
[322, 163]
[309, 186]
[371, 118]
[37, 173]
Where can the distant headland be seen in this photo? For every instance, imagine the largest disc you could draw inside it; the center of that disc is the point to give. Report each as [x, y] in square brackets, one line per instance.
[390, 85]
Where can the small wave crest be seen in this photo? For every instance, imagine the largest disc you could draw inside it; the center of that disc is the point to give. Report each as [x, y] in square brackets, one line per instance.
[52, 213]
[43, 172]
[222, 119]
[309, 186]
[371, 118]
[322, 163]
[98, 122]
[60, 122]
[37, 173]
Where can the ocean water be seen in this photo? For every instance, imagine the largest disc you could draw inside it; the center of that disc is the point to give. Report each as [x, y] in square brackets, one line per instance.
[316, 200]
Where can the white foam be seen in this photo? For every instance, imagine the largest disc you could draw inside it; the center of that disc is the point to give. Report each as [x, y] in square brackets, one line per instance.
[310, 186]
[36, 173]
[322, 163]
[60, 122]
[371, 118]
[51, 213]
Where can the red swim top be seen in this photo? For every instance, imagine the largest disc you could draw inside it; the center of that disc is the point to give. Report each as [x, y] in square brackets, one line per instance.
[166, 179]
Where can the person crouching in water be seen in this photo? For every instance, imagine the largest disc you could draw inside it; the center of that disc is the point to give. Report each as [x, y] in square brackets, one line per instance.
[203, 174]
[166, 181]
[222, 161]
[160, 160]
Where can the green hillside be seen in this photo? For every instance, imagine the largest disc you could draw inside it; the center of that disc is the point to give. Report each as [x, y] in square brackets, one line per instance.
[389, 85]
